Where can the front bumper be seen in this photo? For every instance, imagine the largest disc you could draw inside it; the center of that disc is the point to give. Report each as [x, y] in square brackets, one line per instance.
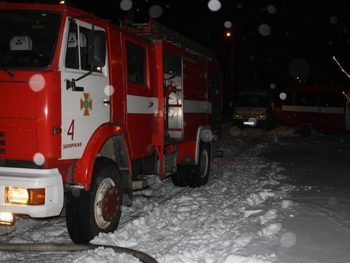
[250, 122]
[49, 179]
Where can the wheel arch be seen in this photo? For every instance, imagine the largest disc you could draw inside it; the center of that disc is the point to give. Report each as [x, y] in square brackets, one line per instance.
[204, 134]
[189, 151]
[105, 142]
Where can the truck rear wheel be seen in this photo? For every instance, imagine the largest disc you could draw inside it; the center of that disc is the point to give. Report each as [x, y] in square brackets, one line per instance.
[179, 178]
[199, 174]
[98, 210]
[305, 130]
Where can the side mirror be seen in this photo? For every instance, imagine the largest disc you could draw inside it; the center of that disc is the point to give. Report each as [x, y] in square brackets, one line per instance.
[97, 54]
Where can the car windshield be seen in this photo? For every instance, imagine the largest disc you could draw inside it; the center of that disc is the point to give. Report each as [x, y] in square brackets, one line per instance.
[28, 38]
[252, 100]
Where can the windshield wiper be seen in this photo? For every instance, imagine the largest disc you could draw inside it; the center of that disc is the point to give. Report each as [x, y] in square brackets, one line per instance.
[4, 68]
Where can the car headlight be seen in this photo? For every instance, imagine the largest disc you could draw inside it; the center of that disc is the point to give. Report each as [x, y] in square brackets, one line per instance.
[236, 115]
[262, 116]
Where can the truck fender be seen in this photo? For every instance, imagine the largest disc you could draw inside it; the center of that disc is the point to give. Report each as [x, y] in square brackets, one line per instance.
[188, 153]
[83, 169]
[204, 134]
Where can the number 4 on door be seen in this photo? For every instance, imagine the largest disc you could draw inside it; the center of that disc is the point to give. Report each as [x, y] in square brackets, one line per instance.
[71, 130]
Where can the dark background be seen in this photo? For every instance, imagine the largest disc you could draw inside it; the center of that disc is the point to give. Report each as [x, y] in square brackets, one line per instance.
[304, 36]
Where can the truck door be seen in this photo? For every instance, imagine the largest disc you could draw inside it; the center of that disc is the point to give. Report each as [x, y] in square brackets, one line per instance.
[86, 107]
[142, 101]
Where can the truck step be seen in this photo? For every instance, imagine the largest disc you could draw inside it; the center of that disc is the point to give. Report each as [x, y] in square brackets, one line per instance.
[144, 182]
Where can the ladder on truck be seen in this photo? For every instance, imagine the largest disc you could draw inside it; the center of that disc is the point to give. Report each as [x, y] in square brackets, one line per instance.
[156, 30]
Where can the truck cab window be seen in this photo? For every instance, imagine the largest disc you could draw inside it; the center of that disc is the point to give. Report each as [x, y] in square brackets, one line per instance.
[136, 57]
[306, 99]
[77, 48]
[28, 38]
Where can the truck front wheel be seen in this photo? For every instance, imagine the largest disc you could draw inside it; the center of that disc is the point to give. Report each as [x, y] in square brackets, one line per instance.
[98, 210]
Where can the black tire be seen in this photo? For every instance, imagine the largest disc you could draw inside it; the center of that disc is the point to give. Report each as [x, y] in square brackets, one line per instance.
[305, 130]
[179, 178]
[199, 173]
[99, 210]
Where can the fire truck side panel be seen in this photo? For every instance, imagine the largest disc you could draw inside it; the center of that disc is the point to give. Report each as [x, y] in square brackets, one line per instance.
[215, 96]
[196, 106]
[141, 99]
[323, 108]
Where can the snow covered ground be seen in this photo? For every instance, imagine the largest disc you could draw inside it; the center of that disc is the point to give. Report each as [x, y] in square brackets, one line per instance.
[274, 197]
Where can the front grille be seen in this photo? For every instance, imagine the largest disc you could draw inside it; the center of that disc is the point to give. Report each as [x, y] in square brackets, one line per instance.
[19, 164]
[17, 143]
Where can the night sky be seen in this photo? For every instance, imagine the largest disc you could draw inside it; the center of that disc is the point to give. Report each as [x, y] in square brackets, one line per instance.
[310, 31]
[273, 41]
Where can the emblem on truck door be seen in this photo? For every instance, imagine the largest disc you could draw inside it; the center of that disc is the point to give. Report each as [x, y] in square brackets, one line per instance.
[86, 104]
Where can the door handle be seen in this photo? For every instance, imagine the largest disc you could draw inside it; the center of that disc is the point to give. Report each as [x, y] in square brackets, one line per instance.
[106, 102]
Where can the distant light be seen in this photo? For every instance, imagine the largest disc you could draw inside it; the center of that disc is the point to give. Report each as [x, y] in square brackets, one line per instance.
[299, 68]
[228, 34]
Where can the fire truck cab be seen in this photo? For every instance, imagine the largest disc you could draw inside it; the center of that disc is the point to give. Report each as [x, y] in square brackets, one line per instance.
[90, 111]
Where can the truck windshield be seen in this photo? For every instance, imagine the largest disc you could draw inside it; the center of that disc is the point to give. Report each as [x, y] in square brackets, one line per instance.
[28, 38]
[252, 100]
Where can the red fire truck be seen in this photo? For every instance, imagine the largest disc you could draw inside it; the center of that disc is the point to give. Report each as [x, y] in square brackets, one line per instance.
[90, 111]
[317, 108]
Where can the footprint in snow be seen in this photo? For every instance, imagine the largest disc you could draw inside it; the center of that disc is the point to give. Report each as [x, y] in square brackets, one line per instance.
[257, 199]
[269, 230]
[271, 214]
[286, 203]
[247, 213]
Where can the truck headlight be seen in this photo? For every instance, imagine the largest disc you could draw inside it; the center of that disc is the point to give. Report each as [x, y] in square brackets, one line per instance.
[236, 116]
[24, 196]
[262, 116]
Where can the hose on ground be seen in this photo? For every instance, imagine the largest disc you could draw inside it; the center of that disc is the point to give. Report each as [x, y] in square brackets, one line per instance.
[23, 247]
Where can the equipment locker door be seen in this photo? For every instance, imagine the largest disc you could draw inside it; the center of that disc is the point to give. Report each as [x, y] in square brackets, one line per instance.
[142, 103]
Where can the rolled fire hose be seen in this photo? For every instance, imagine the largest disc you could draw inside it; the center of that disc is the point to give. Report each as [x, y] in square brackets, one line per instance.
[42, 247]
